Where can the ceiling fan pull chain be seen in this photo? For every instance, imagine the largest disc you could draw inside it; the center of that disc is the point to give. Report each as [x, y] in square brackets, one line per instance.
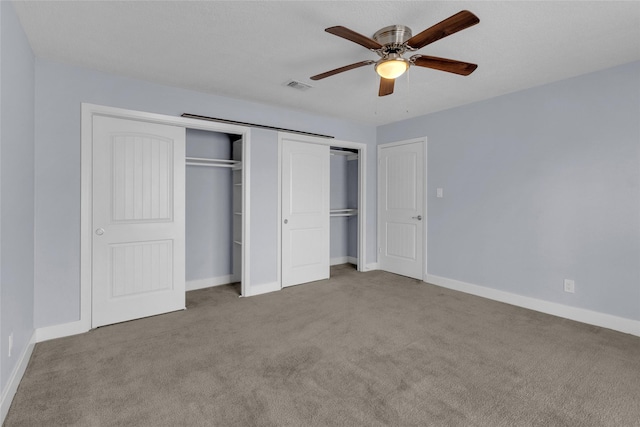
[374, 97]
[408, 98]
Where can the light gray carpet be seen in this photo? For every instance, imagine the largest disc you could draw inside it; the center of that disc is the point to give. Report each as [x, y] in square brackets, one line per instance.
[361, 349]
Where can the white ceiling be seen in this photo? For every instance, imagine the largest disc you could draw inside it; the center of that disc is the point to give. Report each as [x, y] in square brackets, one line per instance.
[250, 50]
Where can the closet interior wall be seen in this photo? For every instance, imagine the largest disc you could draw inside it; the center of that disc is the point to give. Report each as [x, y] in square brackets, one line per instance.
[344, 207]
[213, 209]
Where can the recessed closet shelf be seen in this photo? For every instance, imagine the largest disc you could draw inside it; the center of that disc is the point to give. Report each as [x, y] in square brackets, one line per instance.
[349, 154]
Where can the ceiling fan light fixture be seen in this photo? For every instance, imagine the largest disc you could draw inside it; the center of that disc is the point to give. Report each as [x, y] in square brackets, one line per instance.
[391, 67]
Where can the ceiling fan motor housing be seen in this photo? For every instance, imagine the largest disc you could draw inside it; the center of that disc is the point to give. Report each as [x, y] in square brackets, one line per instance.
[393, 38]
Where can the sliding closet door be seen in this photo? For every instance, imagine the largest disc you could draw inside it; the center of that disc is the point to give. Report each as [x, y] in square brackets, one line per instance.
[305, 212]
[138, 248]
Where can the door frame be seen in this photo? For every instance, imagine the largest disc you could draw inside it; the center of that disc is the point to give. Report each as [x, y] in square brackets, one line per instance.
[88, 111]
[423, 140]
[362, 193]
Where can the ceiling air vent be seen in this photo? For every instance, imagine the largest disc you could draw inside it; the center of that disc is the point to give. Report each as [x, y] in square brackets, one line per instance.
[298, 85]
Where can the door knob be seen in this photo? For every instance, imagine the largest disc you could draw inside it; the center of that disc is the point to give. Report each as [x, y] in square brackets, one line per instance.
[286, 221]
[419, 217]
[100, 231]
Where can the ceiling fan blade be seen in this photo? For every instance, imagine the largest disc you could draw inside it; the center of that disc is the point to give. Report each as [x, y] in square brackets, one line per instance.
[342, 69]
[351, 35]
[386, 86]
[443, 64]
[453, 24]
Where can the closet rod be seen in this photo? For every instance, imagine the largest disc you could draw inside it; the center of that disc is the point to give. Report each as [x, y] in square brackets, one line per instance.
[218, 163]
[208, 160]
[343, 212]
[209, 165]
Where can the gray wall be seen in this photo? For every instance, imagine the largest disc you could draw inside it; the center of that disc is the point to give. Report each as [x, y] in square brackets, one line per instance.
[344, 194]
[61, 89]
[352, 202]
[264, 207]
[539, 186]
[16, 189]
[208, 237]
[338, 200]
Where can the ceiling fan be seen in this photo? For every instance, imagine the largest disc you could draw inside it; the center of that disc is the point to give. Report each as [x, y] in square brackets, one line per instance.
[390, 43]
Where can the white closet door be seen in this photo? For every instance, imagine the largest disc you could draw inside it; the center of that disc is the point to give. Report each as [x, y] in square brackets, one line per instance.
[305, 212]
[138, 248]
[401, 204]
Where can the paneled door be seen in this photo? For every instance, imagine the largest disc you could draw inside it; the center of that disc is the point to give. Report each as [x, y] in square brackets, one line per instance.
[305, 212]
[138, 253]
[401, 210]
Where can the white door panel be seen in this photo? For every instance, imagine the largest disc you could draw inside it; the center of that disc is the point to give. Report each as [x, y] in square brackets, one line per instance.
[138, 220]
[401, 241]
[401, 184]
[305, 212]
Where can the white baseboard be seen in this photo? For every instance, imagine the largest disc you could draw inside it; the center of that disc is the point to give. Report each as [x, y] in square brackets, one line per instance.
[264, 288]
[58, 331]
[371, 266]
[16, 376]
[590, 317]
[192, 285]
[344, 260]
[78, 327]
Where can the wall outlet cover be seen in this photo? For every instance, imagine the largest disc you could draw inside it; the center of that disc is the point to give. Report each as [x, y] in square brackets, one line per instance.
[569, 286]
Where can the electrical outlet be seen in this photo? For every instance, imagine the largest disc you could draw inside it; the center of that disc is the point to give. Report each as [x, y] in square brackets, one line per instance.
[569, 286]
[10, 343]
[439, 193]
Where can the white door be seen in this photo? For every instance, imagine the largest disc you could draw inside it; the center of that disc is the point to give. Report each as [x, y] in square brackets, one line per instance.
[138, 220]
[401, 208]
[305, 212]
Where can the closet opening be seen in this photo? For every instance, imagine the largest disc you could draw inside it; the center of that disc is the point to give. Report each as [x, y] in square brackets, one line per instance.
[321, 208]
[214, 210]
[344, 187]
